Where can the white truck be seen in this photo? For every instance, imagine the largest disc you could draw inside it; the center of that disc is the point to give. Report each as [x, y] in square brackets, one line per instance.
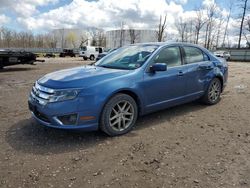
[90, 52]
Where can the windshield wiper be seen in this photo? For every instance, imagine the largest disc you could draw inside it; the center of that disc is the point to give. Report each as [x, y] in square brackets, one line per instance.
[110, 67]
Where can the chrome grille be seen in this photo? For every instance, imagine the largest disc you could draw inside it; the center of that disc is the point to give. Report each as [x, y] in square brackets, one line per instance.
[41, 94]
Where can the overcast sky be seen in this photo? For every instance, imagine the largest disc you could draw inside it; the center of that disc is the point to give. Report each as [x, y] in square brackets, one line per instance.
[43, 15]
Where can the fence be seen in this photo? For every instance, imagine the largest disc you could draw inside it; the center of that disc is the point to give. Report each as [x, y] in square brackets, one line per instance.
[236, 54]
[42, 50]
[239, 54]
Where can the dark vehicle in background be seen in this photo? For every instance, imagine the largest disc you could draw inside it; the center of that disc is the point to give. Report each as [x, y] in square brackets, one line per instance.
[48, 55]
[9, 57]
[67, 52]
[101, 55]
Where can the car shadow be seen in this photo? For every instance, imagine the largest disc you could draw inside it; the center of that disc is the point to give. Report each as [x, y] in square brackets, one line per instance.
[29, 137]
[166, 115]
[17, 69]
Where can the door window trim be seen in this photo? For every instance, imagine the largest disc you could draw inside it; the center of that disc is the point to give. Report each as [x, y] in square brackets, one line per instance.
[184, 54]
[147, 70]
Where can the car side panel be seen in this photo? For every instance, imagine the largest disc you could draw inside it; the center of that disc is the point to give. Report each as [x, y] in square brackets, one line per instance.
[198, 75]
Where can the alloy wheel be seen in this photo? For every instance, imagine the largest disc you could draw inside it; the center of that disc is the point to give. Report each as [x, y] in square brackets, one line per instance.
[121, 115]
[214, 91]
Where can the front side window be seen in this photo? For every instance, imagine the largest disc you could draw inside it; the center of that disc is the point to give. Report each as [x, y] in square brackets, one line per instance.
[170, 55]
[129, 57]
[193, 55]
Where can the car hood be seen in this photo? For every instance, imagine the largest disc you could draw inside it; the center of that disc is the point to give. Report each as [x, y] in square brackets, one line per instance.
[79, 77]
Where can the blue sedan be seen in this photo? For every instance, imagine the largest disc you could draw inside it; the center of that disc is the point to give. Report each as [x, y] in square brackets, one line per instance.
[132, 81]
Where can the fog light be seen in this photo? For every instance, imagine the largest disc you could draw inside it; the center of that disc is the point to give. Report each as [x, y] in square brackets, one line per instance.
[68, 119]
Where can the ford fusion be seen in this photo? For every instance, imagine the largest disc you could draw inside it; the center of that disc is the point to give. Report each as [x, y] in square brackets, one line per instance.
[132, 81]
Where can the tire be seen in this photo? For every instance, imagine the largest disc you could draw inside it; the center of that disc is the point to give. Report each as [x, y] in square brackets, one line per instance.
[212, 95]
[85, 58]
[92, 58]
[119, 115]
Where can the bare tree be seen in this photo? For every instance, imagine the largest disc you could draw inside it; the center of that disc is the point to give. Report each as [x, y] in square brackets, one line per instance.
[211, 13]
[1, 40]
[7, 37]
[161, 29]
[244, 7]
[219, 31]
[98, 37]
[49, 41]
[181, 27]
[200, 21]
[190, 31]
[247, 29]
[231, 3]
[40, 41]
[133, 35]
[63, 41]
[101, 38]
[83, 40]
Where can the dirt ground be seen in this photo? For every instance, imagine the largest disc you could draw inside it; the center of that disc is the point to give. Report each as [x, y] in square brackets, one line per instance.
[191, 145]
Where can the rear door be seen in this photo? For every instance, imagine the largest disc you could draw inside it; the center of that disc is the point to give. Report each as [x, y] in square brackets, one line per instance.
[198, 66]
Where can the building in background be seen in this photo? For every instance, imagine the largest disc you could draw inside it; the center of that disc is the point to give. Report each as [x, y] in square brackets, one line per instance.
[70, 38]
[74, 38]
[117, 38]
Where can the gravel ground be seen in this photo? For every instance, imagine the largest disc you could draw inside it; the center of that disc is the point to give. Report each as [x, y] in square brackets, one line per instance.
[191, 145]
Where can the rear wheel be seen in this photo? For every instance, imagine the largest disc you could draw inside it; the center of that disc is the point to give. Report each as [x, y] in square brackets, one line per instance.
[85, 58]
[212, 95]
[119, 115]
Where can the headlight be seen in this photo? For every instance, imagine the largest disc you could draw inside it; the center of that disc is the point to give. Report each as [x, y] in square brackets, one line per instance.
[63, 95]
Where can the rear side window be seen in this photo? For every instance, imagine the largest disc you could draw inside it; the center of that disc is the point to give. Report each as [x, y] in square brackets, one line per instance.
[194, 55]
[170, 55]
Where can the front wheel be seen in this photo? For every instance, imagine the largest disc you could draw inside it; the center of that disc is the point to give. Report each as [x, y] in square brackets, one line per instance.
[119, 115]
[92, 58]
[212, 95]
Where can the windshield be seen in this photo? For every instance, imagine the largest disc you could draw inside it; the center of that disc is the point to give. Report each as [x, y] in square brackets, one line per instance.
[129, 57]
[83, 48]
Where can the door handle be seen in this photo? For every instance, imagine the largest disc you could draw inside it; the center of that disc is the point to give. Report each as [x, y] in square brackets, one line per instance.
[205, 67]
[180, 73]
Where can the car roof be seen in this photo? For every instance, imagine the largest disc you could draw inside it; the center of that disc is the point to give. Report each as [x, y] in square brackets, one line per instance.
[166, 43]
[221, 51]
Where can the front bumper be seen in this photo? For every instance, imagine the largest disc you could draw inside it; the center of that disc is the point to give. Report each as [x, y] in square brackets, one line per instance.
[48, 114]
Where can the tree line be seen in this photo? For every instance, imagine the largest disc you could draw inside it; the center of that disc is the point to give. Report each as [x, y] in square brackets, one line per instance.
[208, 27]
[10, 38]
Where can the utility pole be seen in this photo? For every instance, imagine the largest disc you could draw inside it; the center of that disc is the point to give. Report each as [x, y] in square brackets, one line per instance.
[242, 21]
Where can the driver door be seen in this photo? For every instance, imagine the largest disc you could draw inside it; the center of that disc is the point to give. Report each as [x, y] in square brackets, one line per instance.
[166, 88]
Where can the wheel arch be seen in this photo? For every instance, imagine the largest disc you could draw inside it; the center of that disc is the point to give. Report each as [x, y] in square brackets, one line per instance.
[220, 77]
[129, 92]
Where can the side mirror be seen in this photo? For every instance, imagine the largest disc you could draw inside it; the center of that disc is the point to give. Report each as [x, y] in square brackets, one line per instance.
[158, 67]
